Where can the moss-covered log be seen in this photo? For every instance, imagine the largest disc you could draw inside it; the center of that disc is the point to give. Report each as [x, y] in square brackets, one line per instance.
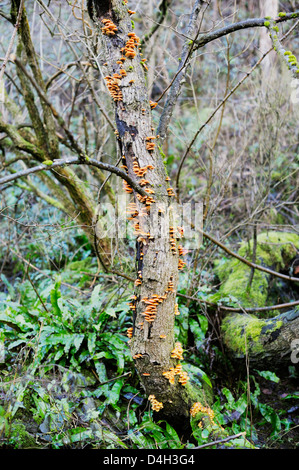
[266, 341]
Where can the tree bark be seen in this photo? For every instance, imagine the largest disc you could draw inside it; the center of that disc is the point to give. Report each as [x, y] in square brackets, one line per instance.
[154, 300]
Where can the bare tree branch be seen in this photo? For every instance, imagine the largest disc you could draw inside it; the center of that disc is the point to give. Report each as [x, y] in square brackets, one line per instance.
[222, 102]
[220, 441]
[163, 8]
[250, 23]
[176, 83]
[286, 56]
[246, 261]
[25, 261]
[55, 113]
[243, 309]
[75, 161]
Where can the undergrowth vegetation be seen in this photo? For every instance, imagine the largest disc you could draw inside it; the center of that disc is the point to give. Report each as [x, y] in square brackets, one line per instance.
[68, 378]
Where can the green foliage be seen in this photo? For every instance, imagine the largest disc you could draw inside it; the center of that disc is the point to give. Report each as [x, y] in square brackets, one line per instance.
[75, 362]
[267, 374]
[64, 330]
[150, 435]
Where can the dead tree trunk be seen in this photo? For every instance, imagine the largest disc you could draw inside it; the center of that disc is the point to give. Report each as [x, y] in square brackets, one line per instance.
[157, 358]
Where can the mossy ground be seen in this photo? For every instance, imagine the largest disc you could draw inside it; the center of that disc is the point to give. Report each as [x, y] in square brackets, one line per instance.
[19, 437]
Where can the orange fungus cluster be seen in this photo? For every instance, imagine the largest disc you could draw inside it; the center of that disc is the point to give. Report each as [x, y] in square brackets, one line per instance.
[177, 352]
[113, 83]
[128, 189]
[130, 332]
[131, 45]
[181, 264]
[176, 309]
[149, 144]
[153, 104]
[150, 311]
[156, 405]
[176, 371]
[199, 408]
[109, 27]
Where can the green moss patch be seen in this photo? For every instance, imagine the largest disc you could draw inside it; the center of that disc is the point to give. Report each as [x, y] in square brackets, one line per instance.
[242, 333]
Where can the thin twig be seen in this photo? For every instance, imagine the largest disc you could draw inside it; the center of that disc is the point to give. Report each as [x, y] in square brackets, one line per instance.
[110, 271]
[220, 441]
[253, 256]
[163, 8]
[222, 102]
[176, 82]
[55, 113]
[246, 261]
[291, 65]
[40, 270]
[34, 288]
[243, 309]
